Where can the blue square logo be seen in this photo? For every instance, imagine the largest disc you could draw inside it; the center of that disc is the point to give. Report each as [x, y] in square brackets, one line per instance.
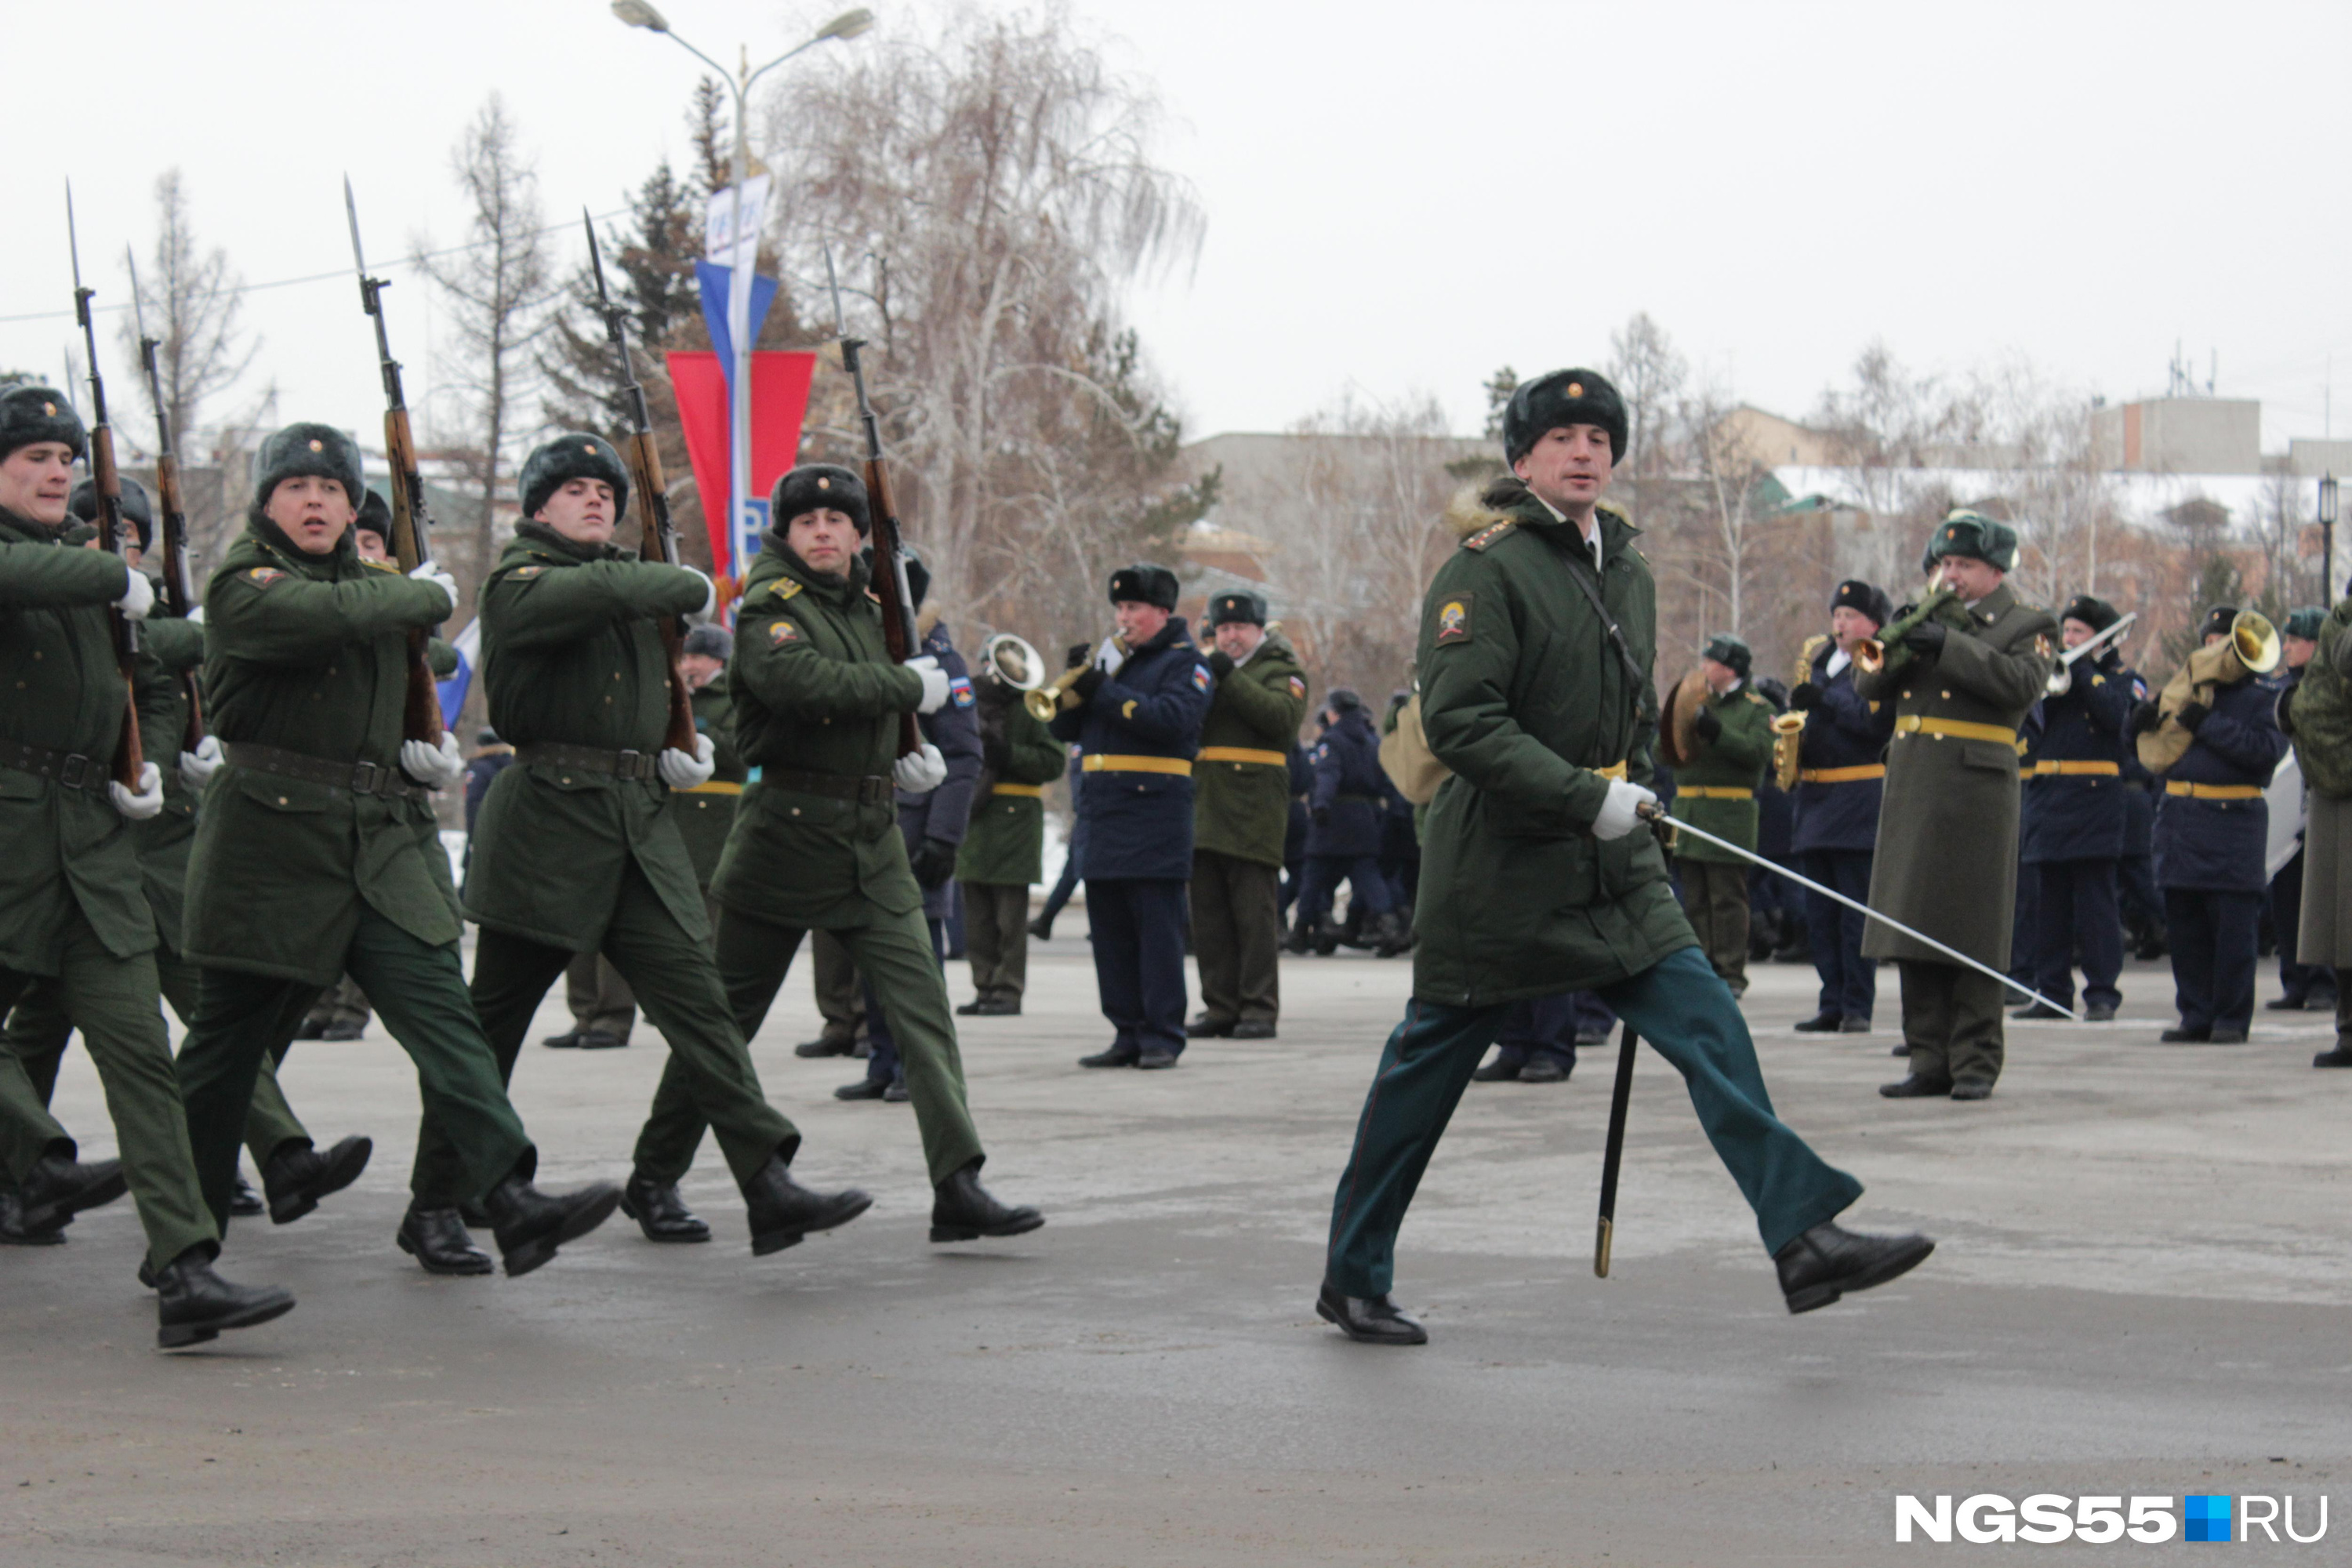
[2205, 1517]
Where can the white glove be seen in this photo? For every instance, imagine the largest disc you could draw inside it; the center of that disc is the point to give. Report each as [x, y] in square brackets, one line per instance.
[196, 616]
[935, 683]
[139, 599]
[681, 772]
[429, 571]
[435, 768]
[148, 801]
[1617, 813]
[198, 767]
[710, 592]
[1109, 657]
[921, 773]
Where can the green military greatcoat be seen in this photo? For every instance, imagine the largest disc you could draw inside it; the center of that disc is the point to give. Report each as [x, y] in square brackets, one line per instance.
[168, 650]
[1525, 697]
[704, 814]
[1241, 781]
[1734, 762]
[1005, 843]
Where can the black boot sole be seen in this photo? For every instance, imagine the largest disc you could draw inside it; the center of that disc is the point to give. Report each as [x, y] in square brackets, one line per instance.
[534, 1253]
[1020, 1225]
[1894, 1264]
[701, 1232]
[51, 1214]
[331, 1178]
[1324, 1310]
[178, 1336]
[478, 1264]
[763, 1243]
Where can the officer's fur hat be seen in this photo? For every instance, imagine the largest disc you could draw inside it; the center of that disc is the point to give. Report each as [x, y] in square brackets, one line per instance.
[1339, 700]
[1863, 599]
[919, 576]
[2217, 622]
[814, 487]
[30, 414]
[136, 508]
[1724, 648]
[574, 455]
[302, 450]
[2305, 622]
[710, 642]
[1241, 605]
[2095, 613]
[375, 516]
[1145, 583]
[1974, 535]
[1563, 397]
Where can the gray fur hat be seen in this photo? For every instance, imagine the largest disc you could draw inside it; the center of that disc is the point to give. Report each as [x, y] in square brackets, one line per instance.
[304, 450]
[574, 455]
[30, 414]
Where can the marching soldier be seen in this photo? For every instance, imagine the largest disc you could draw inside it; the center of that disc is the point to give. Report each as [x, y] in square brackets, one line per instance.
[2074, 821]
[1841, 776]
[1537, 640]
[2301, 984]
[1343, 836]
[1240, 784]
[2213, 827]
[1139, 709]
[318, 851]
[73, 904]
[816, 844]
[1947, 856]
[1004, 848]
[1715, 790]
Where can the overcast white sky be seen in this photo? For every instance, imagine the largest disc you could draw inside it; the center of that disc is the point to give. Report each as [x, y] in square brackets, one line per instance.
[1400, 197]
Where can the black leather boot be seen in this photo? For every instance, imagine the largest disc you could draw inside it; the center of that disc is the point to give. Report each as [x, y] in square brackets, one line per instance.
[437, 1238]
[659, 1212]
[827, 1046]
[782, 1211]
[194, 1304]
[244, 1202]
[298, 1175]
[58, 1188]
[1917, 1087]
[1111, 1055]
[13, 1232]
[1826, 1262]
[1368, 1320]
[962, 1210]
[530, 1224]
[1390, 935]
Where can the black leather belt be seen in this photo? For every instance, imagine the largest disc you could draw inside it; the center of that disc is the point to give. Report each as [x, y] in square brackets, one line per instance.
[867, 789]
[70, 769]
[591, 759]
[360, 778]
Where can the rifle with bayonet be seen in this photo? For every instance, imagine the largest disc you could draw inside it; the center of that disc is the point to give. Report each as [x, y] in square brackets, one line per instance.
[659, 542]
[172, 518]
[129, 762]
[891, 585]
[412, 524]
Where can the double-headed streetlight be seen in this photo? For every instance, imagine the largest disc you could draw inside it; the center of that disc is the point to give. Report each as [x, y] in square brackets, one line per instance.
[848, 24]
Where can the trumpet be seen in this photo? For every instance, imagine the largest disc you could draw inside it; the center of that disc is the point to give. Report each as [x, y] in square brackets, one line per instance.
[1789, 729]
[2061, 680]
[1049, 698]
[1885, 651]
[2253, 647]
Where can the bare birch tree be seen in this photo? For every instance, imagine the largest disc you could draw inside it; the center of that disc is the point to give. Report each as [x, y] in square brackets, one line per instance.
[190, 296]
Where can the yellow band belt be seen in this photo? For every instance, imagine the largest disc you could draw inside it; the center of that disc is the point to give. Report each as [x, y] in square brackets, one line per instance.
[1108, 763]
[714, 787]
[1841, 775]
[1714, 792]
[1959, 728]
[1613, 771]
[2214, 791]
[1243, 754]
[1030, 792]
[2077, 770]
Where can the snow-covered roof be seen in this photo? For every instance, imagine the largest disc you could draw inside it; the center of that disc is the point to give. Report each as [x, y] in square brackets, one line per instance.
[2141, 498]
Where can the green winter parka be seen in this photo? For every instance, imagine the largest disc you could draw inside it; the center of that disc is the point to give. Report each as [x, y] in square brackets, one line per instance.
[1241, 804]
[1734, 760]
[1004, 845]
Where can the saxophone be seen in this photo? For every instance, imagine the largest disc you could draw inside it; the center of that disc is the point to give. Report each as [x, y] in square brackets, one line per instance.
[1789, 729]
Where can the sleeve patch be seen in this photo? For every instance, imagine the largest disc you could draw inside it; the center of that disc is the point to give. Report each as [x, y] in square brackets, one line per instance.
[1322, 751]
[1201, 681]
[526, 573]
[1487, 536]
[262, 576]
[782, 631]
[1453, 618]
[959, 691]
[1297, 686]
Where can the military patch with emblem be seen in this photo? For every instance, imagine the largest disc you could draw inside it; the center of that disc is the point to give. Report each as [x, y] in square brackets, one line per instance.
[780, 632]
[959, 691]
[1488, 534]
[1201, 681]
[1454, 619]
[263, 576]
[1298, 687]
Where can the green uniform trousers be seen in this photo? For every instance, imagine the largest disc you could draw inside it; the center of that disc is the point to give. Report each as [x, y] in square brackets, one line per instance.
[676, 986]
[1952, 1022]
[996, 938]
[594, 993]
[1714, 897]
[40, 1027]
[1681, 1008]
[419, 991]
[116, 1003]
[895, 954]
[840, 996]
[1237, 937]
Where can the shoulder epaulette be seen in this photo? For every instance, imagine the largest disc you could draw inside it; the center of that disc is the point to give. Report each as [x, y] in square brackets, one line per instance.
[1486, 537]
[1757, 698]
[784, 587]
[379, 565]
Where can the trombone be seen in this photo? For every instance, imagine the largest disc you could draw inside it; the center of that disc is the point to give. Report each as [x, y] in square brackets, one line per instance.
[2061, 680]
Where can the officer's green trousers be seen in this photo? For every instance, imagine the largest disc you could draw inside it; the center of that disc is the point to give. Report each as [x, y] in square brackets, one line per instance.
[1681, 1008]
[894, 952]
[40, 1027]
[419, 991]
[116, 1003]
[677, 987]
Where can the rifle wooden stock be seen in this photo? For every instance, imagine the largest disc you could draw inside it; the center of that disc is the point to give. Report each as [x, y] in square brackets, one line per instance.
[171, 537]
[420, 708]
[658, 543]
[129, 762]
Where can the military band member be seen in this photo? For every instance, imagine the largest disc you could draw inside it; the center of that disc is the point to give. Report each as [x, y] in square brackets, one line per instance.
[1347, 805]
[1241, 807]
[2213, 827]
[1537, 642]
[1141, 705]
[2073, 825]
[318, 851]
[1947, 830]
[1003, 850]
[73, 902]
[1715, 790]
[816, 845]
[1841, 776]
[2301, 986]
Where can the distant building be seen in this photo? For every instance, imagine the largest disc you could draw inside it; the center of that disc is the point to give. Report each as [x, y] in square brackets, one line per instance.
[2179, 436]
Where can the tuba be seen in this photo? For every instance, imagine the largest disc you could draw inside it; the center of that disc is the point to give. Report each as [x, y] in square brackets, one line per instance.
[1789, 729]
[1885, 651]
[2253, 647]
[1050, 697]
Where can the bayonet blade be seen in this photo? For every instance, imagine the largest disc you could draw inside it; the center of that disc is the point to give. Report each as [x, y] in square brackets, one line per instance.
[352, 209]
[832, 282]
[73, 248]
[596, 260]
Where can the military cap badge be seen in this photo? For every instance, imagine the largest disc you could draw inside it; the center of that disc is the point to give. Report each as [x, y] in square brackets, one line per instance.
[1576, 389]
[50, 409]
[317, 445]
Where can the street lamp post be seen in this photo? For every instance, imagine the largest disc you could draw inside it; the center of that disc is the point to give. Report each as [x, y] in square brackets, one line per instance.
[848, 24]
[2327, 539]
